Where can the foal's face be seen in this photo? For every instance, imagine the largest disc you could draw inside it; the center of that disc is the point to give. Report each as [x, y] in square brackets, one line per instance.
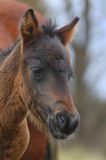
[47, 72]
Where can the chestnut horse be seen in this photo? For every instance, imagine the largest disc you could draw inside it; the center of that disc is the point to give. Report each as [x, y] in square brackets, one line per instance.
[34, 76]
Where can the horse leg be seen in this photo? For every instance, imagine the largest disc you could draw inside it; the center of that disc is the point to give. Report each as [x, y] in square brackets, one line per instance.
[51, 151]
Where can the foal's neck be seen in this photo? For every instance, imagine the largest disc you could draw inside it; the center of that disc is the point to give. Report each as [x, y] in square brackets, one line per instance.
[10, 79]
[9, 71]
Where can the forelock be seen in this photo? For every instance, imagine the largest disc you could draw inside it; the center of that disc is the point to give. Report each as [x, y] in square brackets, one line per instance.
[50, 28]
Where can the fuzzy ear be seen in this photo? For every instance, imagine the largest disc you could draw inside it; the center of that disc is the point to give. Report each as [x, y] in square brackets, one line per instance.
[65, 33]
[29, 25]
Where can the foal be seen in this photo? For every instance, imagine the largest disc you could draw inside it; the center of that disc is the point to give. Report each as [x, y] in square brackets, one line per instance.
[34, 83]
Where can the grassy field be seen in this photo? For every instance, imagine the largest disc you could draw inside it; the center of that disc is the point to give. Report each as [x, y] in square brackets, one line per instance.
[79, 153]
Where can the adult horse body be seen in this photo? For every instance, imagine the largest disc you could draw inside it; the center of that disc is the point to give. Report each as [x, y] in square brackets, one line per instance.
[34, 76]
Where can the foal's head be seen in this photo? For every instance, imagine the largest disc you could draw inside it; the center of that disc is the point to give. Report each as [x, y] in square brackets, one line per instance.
[46, 73]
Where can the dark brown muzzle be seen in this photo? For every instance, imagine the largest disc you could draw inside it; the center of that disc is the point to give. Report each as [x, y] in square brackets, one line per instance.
[63, 124]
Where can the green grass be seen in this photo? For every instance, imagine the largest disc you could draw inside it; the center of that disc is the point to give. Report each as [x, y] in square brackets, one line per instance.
[79, 153]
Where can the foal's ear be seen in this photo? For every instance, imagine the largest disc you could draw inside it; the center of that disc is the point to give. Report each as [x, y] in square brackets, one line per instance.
[65, 33]
[29, 25]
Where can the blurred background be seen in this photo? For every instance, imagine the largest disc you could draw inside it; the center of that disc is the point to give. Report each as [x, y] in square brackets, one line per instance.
[88, 58]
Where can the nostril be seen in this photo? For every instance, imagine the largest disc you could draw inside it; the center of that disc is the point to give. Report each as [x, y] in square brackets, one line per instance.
[61, 120]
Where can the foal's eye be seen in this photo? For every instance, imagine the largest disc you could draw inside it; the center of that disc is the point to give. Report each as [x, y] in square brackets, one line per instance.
[37, 72]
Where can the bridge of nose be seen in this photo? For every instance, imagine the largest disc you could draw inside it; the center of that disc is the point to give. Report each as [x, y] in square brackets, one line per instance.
[64, 104]
[58, 99]
[63, 99]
